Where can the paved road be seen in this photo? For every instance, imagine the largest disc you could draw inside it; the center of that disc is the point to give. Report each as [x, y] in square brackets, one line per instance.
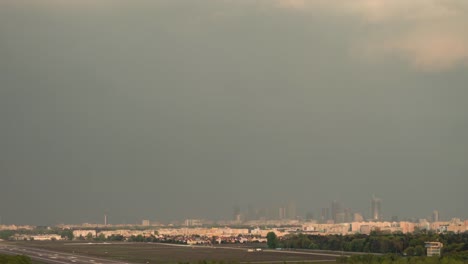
[53, 257]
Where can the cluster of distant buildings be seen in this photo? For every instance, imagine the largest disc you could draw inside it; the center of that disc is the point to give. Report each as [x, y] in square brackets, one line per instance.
[227, 235]
[455, 225]
[183, 235]
[335, 219]
[193, 228]
[334, 214]
[17, 227]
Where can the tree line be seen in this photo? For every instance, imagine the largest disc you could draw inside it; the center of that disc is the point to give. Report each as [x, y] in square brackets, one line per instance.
[376, 242]
[396, 259]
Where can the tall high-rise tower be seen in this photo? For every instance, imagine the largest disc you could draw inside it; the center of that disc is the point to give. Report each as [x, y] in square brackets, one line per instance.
[236, 213]
[325, 214]
[376, 209]
[435, 216]
[291, 212]
[336, 210]
[282, 213]
[105, 219]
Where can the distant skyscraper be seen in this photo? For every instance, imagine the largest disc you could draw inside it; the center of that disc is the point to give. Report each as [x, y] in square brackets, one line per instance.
[358, 217]
[236, 213]
[376, 210]
[336, 211]
[435, 216]
[105, 219]
[282, 213]
[325, 214]
[340, 217]
[348, 216]
[291, 210]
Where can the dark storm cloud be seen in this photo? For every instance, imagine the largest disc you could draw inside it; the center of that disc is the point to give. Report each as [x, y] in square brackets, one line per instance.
[174, 109]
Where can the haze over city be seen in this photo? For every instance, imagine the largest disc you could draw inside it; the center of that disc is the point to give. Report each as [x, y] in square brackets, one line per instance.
[175, 109]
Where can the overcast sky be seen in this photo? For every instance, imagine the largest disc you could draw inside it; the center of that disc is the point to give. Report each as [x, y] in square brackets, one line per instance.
[181, 109]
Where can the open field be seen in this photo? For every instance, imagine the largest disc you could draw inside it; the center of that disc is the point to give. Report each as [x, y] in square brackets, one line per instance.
[45, 256]
[167, 253]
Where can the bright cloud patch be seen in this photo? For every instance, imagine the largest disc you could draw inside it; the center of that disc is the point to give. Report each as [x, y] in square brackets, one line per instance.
[431, 35]
[433, 51]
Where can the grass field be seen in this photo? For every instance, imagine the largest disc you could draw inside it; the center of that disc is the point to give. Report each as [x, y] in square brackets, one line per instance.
[163, 253]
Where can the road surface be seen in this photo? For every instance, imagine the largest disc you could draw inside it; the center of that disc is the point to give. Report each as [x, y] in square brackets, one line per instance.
[52, 257]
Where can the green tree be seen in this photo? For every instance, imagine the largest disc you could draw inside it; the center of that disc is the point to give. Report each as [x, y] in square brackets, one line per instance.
[6, 234]
[272, 240]
[101, 237]
[89, 236]
[357, 245]
[68, 234]
[409, 251]
[419, 250]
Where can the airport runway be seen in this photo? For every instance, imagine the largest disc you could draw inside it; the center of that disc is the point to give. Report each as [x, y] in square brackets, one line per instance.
[163, 253]
[52, 257]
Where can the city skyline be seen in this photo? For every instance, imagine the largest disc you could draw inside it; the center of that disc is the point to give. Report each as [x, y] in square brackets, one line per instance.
[336, 213]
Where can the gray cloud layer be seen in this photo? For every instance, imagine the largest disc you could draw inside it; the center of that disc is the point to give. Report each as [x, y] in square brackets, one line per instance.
[172, 109]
